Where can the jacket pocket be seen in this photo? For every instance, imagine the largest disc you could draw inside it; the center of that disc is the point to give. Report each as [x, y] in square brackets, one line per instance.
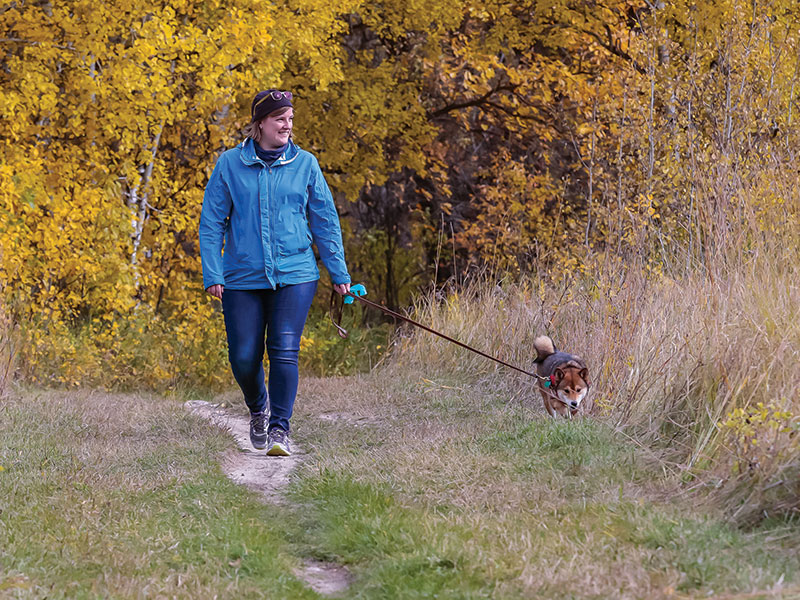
[296, 245]
[295, 236]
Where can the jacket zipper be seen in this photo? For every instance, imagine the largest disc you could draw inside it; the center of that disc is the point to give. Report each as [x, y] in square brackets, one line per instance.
[263, 225]
[272, 248]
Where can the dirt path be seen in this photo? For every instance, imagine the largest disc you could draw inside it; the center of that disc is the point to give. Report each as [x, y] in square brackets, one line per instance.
[264, 474]
[268, 476]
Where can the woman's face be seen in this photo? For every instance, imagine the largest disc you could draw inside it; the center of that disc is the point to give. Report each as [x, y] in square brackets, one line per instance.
[275, 130]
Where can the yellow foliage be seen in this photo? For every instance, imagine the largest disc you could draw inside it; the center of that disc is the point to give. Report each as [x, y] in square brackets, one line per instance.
[111, 116]
[761, 434]
[140, 350]
[540, 131]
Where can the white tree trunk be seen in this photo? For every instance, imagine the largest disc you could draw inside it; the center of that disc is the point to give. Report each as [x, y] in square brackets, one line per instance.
[137, 203]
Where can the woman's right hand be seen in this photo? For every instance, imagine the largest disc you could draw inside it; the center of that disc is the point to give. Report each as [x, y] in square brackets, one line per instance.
[216, 290]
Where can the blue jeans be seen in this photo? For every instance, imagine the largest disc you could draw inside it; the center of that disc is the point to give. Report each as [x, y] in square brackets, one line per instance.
[281, 314]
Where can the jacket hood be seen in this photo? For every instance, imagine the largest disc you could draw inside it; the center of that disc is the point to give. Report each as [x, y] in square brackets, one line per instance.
[249, 156]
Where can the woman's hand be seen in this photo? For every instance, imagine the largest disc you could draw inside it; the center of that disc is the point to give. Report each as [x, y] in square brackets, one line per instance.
[216, 290]
[342, 288]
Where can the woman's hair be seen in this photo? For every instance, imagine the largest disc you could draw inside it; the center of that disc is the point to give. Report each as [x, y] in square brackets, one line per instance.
[252, 129]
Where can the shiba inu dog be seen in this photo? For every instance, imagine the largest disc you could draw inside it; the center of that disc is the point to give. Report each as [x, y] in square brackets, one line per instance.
[566, 374]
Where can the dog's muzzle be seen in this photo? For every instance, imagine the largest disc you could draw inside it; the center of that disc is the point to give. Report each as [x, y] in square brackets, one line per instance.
[570, 403]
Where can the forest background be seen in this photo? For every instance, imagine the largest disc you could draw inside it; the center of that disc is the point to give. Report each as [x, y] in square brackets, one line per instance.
[632, 163]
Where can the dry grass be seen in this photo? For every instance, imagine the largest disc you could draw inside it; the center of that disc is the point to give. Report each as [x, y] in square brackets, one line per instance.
[539, 508]
[422, 487]
[120, 496]
[706, 366]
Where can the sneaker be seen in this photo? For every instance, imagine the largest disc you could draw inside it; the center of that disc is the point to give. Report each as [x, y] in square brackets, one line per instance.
[258, 430]
[278, 442]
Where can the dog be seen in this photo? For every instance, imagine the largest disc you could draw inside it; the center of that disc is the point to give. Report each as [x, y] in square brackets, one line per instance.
[567, 376]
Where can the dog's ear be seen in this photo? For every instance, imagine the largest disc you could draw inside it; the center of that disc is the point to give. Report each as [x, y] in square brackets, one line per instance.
[584, 374]
[558, 374]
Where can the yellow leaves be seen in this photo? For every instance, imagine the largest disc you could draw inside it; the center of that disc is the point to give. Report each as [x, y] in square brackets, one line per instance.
[480, 13]
[135, 348]
[761, 433]
[103, 83]
[306, 343]
[88, 90]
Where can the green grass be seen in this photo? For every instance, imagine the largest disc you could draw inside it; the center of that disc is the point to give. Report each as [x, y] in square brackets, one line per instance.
[449, 491]
[389, 546]
[423, 489]
[122, 496]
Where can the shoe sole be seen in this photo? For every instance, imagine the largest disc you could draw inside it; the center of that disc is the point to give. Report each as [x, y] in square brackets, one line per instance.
[278, 450]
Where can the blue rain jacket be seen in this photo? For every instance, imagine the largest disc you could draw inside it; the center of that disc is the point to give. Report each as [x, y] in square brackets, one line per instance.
[267, 216]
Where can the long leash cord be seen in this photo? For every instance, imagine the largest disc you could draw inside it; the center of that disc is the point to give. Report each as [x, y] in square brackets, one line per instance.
[388, 311]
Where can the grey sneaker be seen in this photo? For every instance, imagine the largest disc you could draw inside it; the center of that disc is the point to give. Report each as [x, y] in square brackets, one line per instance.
[278, 442]
[258, 430]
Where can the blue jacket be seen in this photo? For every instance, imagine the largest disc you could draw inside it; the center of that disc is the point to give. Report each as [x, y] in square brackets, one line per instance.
[268, 215]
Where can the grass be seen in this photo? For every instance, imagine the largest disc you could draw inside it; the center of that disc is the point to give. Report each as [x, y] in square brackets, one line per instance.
[423, 487]
[704, 366]
[121, 496]
[454, 493]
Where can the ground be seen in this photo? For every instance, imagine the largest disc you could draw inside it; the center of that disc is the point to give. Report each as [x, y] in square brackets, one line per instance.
[413, 487]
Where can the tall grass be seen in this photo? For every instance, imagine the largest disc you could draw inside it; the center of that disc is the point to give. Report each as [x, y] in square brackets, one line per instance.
[703, 366]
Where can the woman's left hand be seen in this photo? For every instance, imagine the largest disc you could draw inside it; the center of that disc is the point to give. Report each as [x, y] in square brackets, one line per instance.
[342, 288]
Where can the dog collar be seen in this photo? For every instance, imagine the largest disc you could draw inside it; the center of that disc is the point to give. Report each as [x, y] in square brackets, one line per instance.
[551, 382]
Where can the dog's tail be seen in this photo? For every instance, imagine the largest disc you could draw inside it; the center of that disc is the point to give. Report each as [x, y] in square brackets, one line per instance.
[544, 347]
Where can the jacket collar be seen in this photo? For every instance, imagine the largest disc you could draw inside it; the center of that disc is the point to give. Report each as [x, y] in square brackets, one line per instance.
[249, 156]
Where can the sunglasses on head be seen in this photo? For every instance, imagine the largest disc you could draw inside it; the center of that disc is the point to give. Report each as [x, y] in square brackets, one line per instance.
[275, 96]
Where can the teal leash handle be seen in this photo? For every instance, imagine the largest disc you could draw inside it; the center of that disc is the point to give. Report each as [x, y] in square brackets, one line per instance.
[356, 290]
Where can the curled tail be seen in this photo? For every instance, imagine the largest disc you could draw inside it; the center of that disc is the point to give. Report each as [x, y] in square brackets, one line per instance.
[544, 347]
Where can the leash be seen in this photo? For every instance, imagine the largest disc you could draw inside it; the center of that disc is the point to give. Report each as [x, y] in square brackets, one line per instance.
[548, 381]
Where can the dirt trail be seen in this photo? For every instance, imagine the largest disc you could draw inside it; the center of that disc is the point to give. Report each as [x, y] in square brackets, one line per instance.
[268, 476]
[264, 474]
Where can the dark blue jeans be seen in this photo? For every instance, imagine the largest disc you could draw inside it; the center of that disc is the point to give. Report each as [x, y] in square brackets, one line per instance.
[281, 314]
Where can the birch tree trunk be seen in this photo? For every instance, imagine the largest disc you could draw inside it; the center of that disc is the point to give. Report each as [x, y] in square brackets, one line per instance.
[138, 205]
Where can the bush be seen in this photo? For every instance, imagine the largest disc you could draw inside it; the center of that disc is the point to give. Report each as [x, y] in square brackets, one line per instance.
[140, 350]
[324, 353]
[143, 350]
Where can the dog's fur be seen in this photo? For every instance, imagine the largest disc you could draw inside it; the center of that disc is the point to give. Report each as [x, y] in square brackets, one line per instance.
[568, 375]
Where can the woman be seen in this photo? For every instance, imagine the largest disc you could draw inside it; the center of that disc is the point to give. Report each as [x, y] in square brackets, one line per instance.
[267, 200]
